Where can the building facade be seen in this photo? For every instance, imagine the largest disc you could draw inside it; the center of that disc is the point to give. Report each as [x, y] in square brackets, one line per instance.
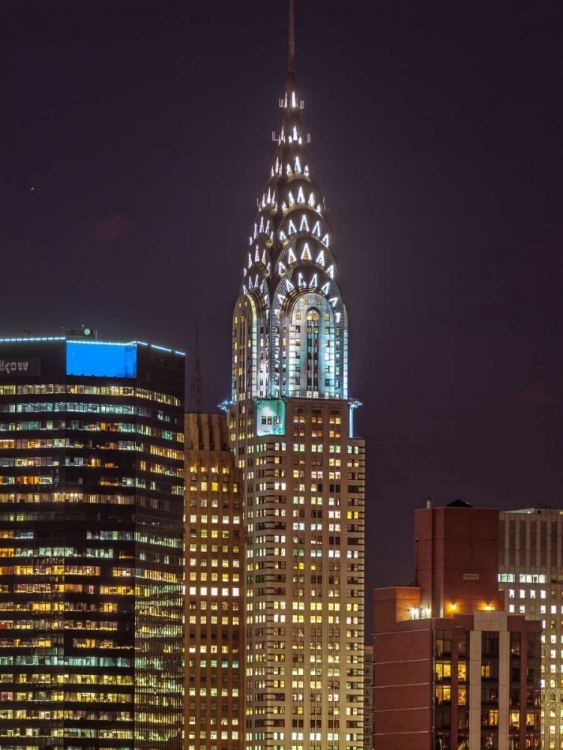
[531, 565]
[214, 706]
[368, 697]
[452, 669]
[91, 504]
[291, 429]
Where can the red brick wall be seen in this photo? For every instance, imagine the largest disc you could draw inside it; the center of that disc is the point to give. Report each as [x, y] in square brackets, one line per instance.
[402, 685]
[451, 543]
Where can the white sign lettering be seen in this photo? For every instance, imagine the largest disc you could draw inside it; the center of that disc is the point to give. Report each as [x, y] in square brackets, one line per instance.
[6, 366]
[19, 367]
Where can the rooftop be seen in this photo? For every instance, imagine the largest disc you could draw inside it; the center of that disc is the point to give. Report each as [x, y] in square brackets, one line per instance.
[77, 339]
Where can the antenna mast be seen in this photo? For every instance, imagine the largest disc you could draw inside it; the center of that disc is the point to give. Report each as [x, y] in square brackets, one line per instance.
[195, 384]
[291, 46]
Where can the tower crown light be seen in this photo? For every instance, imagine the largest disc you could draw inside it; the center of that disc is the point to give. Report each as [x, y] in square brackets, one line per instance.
[290, 328]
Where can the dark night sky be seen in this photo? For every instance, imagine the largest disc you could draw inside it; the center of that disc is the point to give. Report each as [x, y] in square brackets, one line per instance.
[136, 136]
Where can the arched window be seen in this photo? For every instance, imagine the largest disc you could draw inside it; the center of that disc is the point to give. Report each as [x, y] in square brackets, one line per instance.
[310, 348]
[250, 349]
[313, 336]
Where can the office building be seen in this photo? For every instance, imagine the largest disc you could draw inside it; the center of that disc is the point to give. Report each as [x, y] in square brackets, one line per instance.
[290, 421]
[531, 576]
[91, 504]
[368, 697]
[452, 668]
[214, 707]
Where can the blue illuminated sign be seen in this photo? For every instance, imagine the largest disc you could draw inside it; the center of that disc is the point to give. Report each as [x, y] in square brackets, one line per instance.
[101, 360]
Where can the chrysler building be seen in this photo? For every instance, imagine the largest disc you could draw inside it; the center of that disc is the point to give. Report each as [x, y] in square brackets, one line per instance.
[291, 430]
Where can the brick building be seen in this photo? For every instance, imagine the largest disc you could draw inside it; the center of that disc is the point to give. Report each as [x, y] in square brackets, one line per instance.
[452, 669]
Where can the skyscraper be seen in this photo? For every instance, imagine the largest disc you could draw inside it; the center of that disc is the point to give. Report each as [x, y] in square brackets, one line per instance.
[214, 706]
[531, 559]
[91, 504]
[291, 428]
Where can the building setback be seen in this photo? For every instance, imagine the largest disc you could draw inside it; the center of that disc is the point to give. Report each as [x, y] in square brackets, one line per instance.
[290, 421]
[91, 504]
[452, 669]
[531, 558]
[214, 706]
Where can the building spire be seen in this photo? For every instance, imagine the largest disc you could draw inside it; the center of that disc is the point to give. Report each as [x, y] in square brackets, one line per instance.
[195, 385]
[291, 51]
[289, 273]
